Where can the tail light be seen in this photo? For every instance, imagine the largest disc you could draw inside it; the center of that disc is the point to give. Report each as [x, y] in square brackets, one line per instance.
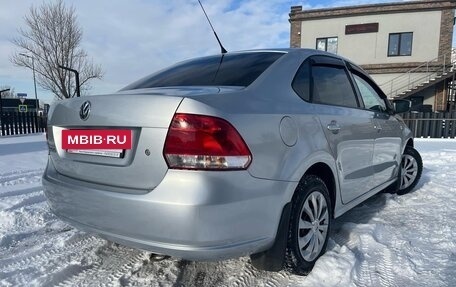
[204, 142]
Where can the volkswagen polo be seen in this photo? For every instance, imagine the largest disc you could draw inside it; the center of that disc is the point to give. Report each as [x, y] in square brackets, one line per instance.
[244, 153]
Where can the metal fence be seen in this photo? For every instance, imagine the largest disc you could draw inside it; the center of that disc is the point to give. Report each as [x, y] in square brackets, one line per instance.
[21, 123]
[431, 124]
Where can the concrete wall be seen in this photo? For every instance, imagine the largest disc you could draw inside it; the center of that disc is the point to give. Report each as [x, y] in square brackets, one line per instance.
[372, 48]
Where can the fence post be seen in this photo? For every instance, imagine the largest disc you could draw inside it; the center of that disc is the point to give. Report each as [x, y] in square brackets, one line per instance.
[29, 122]
[35, 119]
[7, 124]
[43, 122]
[426, 124]
[16, 123]
[439, 126]
[414, 122]
[453, 126]
[22, 123]
[1, 124]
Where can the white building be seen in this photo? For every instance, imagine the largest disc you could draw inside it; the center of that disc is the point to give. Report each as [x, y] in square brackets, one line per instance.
[405, 46]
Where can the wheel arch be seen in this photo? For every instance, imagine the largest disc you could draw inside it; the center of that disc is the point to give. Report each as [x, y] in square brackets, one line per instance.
[324, 167]
[325, 173]
[409, 142]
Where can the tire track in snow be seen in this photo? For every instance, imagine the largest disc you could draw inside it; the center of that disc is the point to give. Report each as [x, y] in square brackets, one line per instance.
[363, 272]
[29, 200]
[12, 241]
[359, 247]
[248, 275]
[147, 271]
[375, 270]
[19, 172]
[193, 273]
[20, 192]
[109, 269]
[45, 255]
[386, 269]
[13, 177]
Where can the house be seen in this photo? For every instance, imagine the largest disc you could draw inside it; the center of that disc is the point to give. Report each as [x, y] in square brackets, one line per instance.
[406, 46]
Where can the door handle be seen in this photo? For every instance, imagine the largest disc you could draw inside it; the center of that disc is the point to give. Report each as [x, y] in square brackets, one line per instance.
[333, 127]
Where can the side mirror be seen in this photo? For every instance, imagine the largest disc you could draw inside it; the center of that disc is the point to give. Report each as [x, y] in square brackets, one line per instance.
[401, 106]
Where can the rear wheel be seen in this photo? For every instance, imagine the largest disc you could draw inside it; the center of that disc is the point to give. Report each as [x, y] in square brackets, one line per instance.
[411, 169]
[310, 223]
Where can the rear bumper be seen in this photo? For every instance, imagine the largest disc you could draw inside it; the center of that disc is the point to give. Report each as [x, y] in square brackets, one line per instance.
[193, 215]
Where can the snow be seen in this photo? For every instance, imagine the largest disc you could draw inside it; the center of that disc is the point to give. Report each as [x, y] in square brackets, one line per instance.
[388, 240]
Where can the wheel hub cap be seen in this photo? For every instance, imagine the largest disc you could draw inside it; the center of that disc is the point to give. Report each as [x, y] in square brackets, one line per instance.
[409, 171]
[313, 225]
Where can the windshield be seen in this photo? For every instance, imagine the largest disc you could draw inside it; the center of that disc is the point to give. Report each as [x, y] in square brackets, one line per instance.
[237, 69]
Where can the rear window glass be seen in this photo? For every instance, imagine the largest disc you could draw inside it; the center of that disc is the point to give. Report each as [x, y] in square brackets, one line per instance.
[227, 70]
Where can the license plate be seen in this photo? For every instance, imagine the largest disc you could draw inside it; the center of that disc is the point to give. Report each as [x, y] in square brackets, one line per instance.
[97, 141]
[118, 153]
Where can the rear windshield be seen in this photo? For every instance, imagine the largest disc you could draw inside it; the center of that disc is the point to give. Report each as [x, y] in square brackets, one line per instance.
[227, 70]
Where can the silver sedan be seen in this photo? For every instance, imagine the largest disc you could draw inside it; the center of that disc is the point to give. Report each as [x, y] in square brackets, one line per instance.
[244, 153]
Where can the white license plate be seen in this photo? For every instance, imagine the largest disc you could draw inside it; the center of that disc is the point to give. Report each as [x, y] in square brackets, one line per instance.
[98, 152]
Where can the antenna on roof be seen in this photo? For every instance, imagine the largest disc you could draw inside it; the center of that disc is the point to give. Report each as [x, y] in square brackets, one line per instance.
[212, 27]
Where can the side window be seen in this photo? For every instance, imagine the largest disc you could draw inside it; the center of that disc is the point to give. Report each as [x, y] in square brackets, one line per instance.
[332, 86]
[371, 99]
[301, 81]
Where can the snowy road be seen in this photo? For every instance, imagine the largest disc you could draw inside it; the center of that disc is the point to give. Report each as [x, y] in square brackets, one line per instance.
[387, 241]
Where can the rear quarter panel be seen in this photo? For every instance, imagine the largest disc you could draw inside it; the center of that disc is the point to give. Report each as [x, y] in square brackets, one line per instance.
[257, 111]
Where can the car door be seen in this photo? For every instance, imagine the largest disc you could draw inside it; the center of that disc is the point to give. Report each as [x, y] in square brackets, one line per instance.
[348, 128]
[387, 144]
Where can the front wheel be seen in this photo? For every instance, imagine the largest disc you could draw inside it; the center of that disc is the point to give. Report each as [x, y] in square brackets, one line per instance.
[411, 169]
[310, 223]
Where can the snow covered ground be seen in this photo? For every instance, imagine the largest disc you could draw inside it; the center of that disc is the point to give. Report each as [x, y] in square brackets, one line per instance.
[387, 241]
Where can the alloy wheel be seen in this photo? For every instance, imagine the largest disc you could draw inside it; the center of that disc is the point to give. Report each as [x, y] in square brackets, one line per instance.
[313, 226]
[409, 171]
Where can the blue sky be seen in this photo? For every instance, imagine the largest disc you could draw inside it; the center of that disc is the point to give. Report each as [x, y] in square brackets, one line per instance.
[131, 39]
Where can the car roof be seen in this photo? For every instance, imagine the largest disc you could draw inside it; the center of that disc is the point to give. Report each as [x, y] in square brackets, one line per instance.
[302, 51]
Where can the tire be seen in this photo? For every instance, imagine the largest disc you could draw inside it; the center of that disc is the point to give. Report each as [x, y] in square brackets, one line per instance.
[411, 169]
[304, 231]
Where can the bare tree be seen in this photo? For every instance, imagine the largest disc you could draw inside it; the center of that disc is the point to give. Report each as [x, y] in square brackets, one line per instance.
[8, 94]
[52, 37]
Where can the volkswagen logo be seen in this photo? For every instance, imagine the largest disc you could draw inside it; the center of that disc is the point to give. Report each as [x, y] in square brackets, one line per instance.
[84, 112]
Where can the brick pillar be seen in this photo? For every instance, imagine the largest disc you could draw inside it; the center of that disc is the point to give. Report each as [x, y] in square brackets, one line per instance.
[440, 101]
[295, 28]
[446, 32]
[295, 34]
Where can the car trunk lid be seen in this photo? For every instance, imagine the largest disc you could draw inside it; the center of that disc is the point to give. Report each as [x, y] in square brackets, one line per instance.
[147, 113]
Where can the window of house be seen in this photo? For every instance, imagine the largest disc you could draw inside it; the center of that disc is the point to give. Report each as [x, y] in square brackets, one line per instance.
[400, 44]
[332, 86]
[327, 44]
